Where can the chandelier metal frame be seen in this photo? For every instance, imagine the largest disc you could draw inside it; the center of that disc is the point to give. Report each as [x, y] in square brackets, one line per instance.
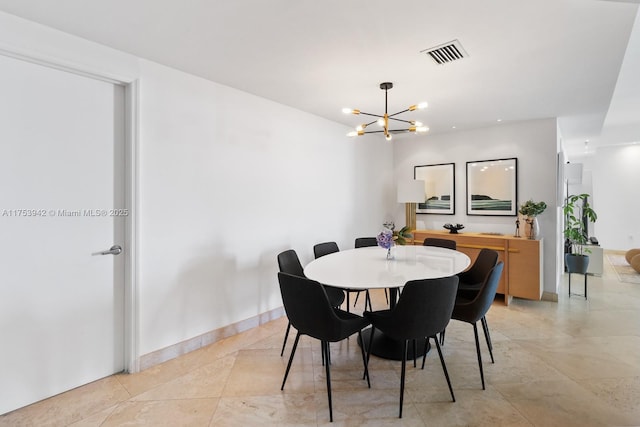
[383, 120]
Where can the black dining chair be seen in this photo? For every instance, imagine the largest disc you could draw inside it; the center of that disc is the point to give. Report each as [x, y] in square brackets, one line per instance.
[326, 248]
[473, 310]
[366, 242]
[423, 310]
[471, 280]
[441, 243]
[311, 313]
[288, 262]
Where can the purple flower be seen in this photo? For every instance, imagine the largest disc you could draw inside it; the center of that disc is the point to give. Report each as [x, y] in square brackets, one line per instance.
[385, 239]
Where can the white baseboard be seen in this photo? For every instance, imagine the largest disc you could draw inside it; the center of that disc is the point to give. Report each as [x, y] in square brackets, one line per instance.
[159, 356]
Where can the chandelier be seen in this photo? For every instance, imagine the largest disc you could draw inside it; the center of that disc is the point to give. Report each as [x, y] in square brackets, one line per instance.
[384, 120]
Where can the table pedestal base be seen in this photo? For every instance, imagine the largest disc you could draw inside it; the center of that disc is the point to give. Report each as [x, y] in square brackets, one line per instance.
[388, 348]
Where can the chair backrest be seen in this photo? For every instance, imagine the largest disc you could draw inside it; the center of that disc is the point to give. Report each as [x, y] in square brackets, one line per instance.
[486, 260]
[364, 242]
[326, 248]
[423, 310]
[477, 308]
[288, 262]
[308, 307]
[441, 243]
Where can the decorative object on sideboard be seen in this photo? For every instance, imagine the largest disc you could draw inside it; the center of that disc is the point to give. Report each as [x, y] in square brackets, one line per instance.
[530, 210]
[401, 237]
[383, 120]
[453, 229]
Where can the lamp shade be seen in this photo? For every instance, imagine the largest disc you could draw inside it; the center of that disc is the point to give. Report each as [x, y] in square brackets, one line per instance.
[410, 191]
[573, 173]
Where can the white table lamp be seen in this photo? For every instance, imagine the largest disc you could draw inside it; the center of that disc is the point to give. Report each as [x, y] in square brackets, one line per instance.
[411, 192]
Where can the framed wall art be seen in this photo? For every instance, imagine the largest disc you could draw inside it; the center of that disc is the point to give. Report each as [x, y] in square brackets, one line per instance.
[439, 188]
[492, 187]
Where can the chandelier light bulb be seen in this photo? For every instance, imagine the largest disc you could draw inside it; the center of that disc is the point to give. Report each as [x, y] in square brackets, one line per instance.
[380, 122]
[422, 129]
[352, 134]
[420, 106]
[388, 137]
[359, 128]
[416, 123]
[346, 110]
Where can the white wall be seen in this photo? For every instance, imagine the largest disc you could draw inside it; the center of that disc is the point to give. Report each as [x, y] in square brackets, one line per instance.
[616, 196]
[533, 142]
[228, 180]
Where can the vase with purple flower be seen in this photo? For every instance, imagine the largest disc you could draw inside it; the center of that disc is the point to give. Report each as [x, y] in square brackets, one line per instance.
[385, 240]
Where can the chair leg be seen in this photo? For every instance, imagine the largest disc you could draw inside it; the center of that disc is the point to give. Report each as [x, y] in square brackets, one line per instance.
[442, 337]
[367, 299]
[427, 347]
[487, 337]
[364, 360]
[325, 348]
[348, 301]
[356, 301]
[386, 295]
[424, 353]
[415, 344]
[293, 351]
[326, 358]
[475, 333]
[369, 347]
[286, 335]
[404, 368]
[444, 367]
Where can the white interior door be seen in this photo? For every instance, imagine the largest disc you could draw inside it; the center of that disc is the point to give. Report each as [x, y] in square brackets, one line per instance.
[61, 309]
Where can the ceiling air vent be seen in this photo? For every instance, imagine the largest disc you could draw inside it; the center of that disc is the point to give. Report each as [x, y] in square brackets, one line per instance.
[447, 52]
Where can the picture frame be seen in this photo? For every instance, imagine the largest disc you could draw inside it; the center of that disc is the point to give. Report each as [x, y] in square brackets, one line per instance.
[492, 187]
[439, 188]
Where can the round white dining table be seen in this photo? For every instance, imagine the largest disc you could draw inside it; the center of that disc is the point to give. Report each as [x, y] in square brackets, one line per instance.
[369, 268]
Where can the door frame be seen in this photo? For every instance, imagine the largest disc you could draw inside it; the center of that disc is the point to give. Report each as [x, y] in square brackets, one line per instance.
[131, 274]
[131, 169]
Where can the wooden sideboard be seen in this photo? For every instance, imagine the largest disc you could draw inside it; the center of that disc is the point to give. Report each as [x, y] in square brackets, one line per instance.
[522, 275]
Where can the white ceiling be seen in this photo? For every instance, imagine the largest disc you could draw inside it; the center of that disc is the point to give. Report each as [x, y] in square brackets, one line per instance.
[527, 59]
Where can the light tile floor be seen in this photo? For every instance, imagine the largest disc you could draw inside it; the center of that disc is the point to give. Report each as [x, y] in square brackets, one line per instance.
[571, 363]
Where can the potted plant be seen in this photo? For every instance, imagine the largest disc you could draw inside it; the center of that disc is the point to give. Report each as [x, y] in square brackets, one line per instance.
[531, 210]
[399, 237]
[575, 210]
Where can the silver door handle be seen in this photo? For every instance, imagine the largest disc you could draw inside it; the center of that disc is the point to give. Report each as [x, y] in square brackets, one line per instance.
[113, 250]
